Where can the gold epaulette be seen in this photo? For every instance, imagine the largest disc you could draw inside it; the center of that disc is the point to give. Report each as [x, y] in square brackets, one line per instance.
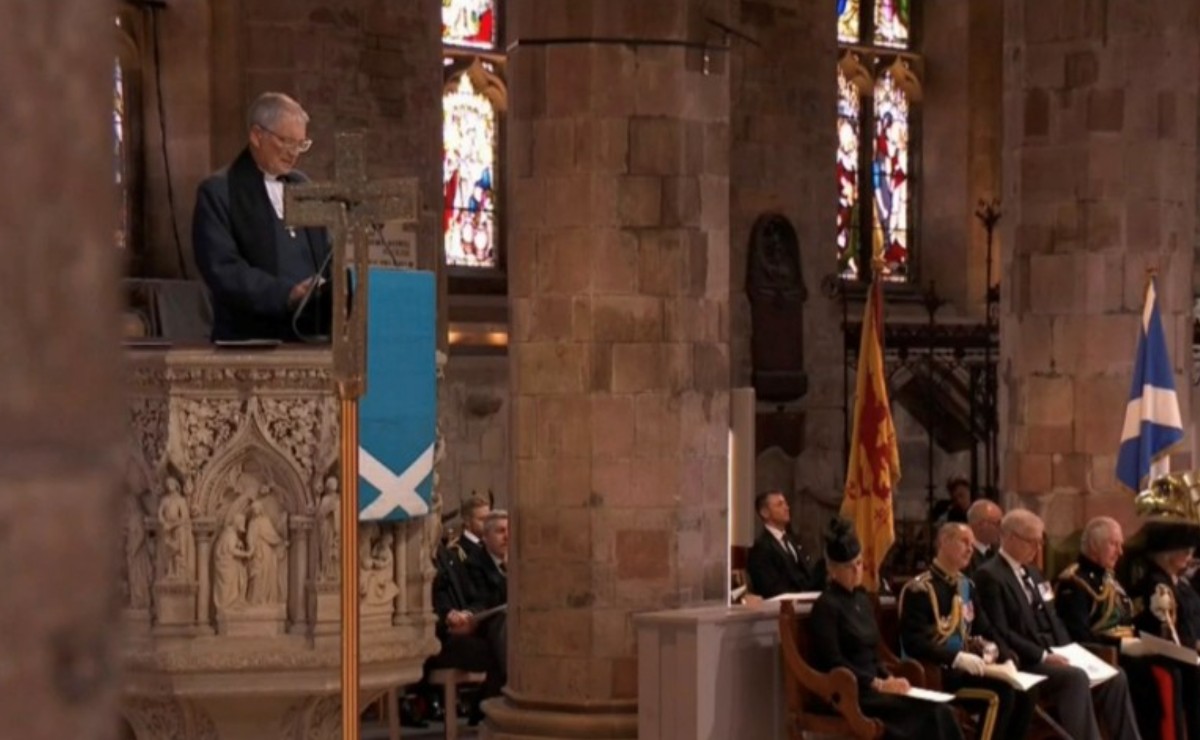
[919, 582]
[455, 547]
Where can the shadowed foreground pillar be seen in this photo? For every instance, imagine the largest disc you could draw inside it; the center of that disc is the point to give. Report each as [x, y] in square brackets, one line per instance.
[59, 387]
[618, 276]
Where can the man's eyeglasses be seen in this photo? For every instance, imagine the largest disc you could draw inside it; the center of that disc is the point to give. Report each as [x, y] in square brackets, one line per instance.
[290, 145]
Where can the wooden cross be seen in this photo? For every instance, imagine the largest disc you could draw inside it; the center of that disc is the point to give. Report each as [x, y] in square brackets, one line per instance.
[350, 207]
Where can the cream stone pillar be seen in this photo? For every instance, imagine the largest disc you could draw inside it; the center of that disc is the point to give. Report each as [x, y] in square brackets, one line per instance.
[618, 275]
[1099, 186]
[59, 385]
[300, 528]
[205, 528]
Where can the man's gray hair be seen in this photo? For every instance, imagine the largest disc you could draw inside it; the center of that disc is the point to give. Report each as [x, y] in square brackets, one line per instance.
[1096, 532]
[980, 510]
[948, 530]
[272, 107]
[493, 520]
[1020, 522]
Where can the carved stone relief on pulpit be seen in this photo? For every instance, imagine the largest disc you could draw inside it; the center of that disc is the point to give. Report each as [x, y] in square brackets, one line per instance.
[168, 717]
[176, 542]
[329, 531]
[137, 569]
[377, 579]
[313, 718]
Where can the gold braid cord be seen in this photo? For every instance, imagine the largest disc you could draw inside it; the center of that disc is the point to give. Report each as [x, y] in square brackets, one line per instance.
[943, 627]
[1105, 598]
[989, 714]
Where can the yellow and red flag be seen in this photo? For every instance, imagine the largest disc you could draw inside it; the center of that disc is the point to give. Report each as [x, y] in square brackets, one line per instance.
[874, 468]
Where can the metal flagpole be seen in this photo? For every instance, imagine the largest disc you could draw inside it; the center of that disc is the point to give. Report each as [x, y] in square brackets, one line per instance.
[349, 513]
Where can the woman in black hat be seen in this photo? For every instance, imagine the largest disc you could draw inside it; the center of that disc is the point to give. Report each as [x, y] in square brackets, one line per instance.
[843, 634]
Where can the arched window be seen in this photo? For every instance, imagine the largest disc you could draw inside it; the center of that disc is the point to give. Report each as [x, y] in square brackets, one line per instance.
[474, 99]
[879, 93]
[127, 137]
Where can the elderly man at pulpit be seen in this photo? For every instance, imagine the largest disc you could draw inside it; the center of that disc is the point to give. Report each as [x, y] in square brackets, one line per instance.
[266, 279]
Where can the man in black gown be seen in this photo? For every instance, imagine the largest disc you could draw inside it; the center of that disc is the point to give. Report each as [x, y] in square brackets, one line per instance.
[941, 623]
[843, 634]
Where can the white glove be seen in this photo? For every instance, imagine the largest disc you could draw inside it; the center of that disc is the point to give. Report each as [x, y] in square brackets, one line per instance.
[968, 662]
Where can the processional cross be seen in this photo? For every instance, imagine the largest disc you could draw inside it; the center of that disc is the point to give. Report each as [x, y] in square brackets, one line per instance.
[350, 207]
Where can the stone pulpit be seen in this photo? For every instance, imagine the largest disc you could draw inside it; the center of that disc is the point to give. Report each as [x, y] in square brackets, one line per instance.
[231, 564]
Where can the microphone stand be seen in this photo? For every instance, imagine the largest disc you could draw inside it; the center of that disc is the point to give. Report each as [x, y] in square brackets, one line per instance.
[308, 294]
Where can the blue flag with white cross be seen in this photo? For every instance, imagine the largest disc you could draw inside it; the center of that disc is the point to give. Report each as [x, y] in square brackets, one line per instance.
[1152, 421]
[397, 421]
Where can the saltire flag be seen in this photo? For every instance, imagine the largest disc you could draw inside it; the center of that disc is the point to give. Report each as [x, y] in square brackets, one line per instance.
[397, 422]
[1152, 421]
[874, 468]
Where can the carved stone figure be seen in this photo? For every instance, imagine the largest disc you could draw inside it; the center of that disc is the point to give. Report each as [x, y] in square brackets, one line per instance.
[329, 531]
[177, 545]
[377, 586]
[229, 567]
[267, 551]
[775, 287]
[138, 571]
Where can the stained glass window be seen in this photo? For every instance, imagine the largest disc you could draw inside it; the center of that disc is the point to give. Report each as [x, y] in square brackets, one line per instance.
[890, 177]
[879, 89]
[848, 21]
[469, 23]
[892, 23]
[848, 123]
[120, 156]
[468, 176]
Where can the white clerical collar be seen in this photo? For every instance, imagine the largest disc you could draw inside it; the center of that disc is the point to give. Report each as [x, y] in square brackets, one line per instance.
[275, 193]
[471, 536]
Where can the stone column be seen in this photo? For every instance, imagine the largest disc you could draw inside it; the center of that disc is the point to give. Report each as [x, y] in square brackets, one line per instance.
[204, 528]
[618, 275]
[60, 393]
[299, 528]
[1099, 176]
[400, 532]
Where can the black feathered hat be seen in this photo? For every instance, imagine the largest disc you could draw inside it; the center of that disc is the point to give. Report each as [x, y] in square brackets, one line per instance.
[1165, 536]
[841, 544]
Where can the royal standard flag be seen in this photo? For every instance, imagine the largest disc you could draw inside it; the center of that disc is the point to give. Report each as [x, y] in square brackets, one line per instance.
[874, 468]
[397, 424]
[1152, 421]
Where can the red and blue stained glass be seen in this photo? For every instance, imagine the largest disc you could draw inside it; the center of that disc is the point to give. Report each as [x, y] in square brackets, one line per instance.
[893, 23]
[848, 21]
[847, 177]
[890, 177]
[469, 23]
[468, 176]
[121, 237]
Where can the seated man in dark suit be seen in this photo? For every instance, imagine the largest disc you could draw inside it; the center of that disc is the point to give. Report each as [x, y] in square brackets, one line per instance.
[488, 570]
[1094, 608]
[941, 623]
[1019, 604]
[474, 513]
[984, 520]
[777, 564]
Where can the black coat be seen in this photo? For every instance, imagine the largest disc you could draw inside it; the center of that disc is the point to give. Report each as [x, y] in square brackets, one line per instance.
[1027, 630]
[772, 570]
[919, 636]
[1092, 605]
[488, 584]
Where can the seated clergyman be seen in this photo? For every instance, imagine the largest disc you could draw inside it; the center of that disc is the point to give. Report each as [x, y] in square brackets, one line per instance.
[940, 623]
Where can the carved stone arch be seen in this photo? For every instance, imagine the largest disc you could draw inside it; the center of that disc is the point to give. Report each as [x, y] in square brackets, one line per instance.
[234, 476]
[167, 717]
